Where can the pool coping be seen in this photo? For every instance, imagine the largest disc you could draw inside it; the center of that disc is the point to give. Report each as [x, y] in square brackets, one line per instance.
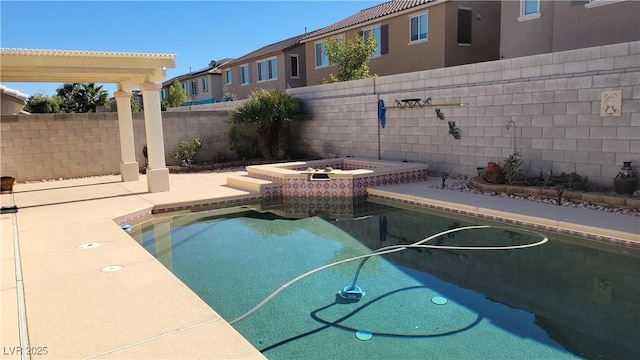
[559, 226]
[370, 168]
[144, 311]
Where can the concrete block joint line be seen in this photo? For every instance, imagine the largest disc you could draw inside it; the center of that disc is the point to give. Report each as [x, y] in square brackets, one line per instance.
[23, 332]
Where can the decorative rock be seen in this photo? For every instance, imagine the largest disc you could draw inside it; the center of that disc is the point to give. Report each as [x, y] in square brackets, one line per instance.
[465, 188]
[493, 173]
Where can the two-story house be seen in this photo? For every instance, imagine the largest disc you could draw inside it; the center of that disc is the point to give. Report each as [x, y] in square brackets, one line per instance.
[276, 66]
[413, 35]
[202, 86]
[530, 27]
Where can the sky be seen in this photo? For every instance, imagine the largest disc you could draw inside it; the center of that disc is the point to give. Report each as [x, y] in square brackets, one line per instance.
[195, 31]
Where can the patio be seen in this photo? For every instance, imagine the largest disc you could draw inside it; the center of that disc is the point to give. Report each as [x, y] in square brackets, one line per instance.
[77, 310]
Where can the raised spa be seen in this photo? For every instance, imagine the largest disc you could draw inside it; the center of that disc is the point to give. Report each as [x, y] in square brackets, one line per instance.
[340, 177]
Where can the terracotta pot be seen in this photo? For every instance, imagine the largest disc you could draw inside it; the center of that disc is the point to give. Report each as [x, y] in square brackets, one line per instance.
[7, 184]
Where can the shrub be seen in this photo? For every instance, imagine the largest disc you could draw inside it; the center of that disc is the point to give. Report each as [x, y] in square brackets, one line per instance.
[511, 169]
[242, 140]
[188, 151]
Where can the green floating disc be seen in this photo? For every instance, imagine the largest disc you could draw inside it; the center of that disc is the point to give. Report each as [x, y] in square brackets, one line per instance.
[438, 300]
[363, 335]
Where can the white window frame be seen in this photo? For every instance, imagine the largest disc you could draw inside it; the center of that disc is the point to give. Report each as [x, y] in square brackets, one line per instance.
[597, 3]
[315, 58]
[378, 52]
[228, 77]
[205, 85]
[194, 87]
[259, 71]
[242, 77]
[532, 16]
[271, 74]
[297, 56]
[426, 14]
[185, 86]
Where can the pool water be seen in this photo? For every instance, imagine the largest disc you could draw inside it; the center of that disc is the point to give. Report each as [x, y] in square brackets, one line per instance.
[558, 300]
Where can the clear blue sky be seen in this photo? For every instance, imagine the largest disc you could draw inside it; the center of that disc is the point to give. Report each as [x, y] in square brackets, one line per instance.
[195, 31]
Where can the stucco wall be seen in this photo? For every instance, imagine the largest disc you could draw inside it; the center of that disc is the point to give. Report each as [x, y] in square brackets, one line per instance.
[36, 147]
[440, 50]
[580, 26]
[565, 25]
[553, 99]
[485, 32]
[283, 80]
[402, 57]
[10, 105]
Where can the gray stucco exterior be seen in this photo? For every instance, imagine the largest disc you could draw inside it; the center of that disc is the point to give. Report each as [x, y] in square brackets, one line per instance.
[567, 25]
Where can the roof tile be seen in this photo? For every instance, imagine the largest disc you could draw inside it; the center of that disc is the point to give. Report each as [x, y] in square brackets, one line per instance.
[369, 14]
[267, 50]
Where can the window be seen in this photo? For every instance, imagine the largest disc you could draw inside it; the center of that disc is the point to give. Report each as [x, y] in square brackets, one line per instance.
[377, 36]
[228, 76]
[268, 69]
[529, 9]
[295, 66]
[194, 88]
[272, 67]
[205, 84]
[245, 74]
[163, 94]
[184, 87]
[262, 70]
[595, 3]
[464, 26]
[419, 28]
[322, 59]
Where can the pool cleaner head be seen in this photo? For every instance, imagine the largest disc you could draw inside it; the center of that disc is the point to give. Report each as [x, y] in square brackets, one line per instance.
[351, 293]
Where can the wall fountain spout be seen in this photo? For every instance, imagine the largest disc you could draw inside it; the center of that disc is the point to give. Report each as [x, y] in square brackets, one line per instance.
[513, 137]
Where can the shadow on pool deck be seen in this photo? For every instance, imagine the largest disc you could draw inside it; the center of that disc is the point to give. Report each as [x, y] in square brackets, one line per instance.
[76, 310]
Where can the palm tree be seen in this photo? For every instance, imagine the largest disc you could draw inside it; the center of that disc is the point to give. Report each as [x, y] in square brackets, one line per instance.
[256, 111]
[270, 111]
[81, 98]
[91, 97]
[287, 109]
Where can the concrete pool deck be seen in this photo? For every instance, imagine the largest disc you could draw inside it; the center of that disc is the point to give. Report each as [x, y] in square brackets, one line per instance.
[78, 311]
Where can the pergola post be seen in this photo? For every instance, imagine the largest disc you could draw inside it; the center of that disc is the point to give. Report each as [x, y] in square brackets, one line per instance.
[157, 172]
[128, 165]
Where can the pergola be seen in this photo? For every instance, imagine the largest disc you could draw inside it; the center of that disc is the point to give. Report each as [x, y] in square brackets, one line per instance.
[128, 71]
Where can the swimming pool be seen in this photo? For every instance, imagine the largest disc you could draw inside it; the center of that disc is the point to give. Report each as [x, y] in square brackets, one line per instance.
[565, 299]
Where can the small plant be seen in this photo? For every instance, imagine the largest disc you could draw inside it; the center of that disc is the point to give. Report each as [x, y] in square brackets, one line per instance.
[573, 181]
[188, 151]
[444, 177]
[546, 177]
[241, 141]
[511, 169]
[227, 95]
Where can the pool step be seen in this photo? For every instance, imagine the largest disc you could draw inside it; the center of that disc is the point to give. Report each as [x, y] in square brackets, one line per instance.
[251, 184]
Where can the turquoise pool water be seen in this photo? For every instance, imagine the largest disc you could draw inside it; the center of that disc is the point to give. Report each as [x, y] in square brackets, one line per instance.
[559, 300]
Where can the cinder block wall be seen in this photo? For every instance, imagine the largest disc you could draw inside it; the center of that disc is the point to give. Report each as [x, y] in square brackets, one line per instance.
[553, 100]
[36, 147]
